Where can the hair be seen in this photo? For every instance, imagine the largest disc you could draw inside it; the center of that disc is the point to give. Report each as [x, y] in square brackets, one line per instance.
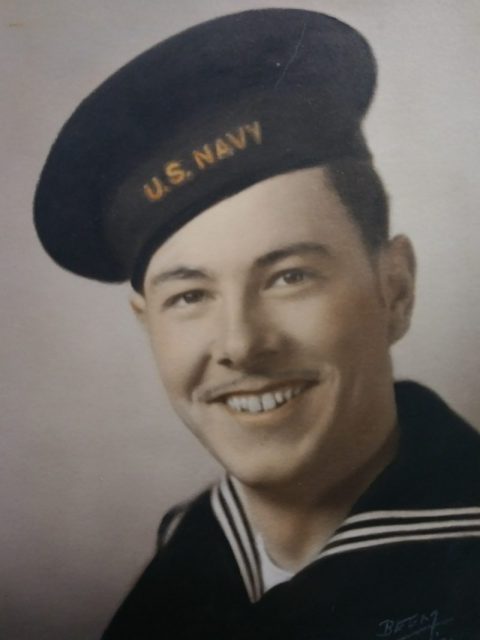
[361, 190]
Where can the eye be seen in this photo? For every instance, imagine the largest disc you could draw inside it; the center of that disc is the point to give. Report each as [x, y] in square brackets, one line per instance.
[187, 298]
[289, 277]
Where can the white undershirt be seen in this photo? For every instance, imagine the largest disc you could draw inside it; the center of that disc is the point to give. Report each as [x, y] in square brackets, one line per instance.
[272, 574]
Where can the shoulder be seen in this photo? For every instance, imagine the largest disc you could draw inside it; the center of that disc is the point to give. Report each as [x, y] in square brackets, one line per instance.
[192, 520]
[190, 573]
[428, 414]
[170, 522]
[440, 448]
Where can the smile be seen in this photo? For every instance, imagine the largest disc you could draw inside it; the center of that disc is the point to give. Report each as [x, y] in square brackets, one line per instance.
[267, 401]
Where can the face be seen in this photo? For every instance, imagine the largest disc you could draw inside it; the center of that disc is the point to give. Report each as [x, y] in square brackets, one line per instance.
[271, 326]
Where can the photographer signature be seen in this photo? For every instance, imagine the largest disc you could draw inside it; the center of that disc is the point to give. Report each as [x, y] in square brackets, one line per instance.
[424, 626]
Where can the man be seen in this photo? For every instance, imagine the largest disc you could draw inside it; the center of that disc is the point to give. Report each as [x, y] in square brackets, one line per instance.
[225, 173]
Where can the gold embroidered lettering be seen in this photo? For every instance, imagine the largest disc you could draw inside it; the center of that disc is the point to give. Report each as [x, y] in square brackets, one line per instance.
[238, 140]
[222, 149]
[175, 172]
[154, 191]
[255, 131]
[204, 157]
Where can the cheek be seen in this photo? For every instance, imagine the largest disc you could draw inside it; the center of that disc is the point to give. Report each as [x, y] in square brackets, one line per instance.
[179, 354]
[361, 330]
[336, 325]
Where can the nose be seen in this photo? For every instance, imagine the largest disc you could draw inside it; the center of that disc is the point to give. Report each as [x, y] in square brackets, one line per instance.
[245, 336]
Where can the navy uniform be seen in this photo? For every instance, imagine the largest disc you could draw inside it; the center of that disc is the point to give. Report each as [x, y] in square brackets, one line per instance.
[405, 563]
[188, 123]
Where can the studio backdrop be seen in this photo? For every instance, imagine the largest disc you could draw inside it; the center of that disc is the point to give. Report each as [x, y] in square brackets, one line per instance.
[91, 454]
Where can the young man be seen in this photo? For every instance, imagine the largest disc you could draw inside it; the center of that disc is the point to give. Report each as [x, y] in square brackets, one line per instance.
[225, 173]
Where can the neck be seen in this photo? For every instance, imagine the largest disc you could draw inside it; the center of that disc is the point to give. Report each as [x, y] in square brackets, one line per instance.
[297, 520]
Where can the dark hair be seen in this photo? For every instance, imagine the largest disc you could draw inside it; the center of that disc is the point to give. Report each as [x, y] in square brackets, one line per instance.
[362, 192]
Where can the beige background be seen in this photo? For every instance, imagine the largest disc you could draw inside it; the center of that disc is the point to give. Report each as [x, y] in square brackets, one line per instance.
[90, 453]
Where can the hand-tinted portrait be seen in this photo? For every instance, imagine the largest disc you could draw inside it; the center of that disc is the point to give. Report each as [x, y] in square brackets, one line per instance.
[241, 321]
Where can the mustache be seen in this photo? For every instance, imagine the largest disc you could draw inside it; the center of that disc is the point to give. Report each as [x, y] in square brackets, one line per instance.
[258, 381]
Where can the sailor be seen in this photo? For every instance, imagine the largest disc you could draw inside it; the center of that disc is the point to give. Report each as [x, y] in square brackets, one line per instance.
[225, 173]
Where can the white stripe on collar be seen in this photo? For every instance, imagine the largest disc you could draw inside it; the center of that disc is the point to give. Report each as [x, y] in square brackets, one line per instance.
[411, 513]
[379, 528]
[378, 542]
[358, 532]
[231, 515]
[430, 525]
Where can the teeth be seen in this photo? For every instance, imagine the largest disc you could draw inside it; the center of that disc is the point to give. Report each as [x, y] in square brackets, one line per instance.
[268, 401]
[254, 404]
[264, 402]
[234, 403]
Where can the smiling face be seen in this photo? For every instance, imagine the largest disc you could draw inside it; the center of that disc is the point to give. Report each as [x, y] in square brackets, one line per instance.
[271, 326]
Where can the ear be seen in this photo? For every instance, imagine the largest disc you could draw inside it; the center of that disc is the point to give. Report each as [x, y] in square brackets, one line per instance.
[138, 305]
[399, 285]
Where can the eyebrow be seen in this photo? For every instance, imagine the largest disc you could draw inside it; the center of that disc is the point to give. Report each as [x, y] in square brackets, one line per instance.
[179, 273]
[295, 249]
[188, 273]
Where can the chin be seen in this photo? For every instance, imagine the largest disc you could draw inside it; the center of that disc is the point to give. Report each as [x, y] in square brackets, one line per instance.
[267, 467]
[257, 477]
[275, 449]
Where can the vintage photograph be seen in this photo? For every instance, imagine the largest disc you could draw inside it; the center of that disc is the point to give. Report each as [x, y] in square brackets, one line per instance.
[240, 320]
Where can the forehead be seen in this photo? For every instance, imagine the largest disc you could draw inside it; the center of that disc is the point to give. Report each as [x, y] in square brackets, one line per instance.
[296, 207]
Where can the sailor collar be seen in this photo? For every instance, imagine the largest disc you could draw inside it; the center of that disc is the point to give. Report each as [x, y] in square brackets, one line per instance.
[415, 500]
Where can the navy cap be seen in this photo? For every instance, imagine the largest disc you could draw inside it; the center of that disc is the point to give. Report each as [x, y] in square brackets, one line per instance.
[193, 120]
